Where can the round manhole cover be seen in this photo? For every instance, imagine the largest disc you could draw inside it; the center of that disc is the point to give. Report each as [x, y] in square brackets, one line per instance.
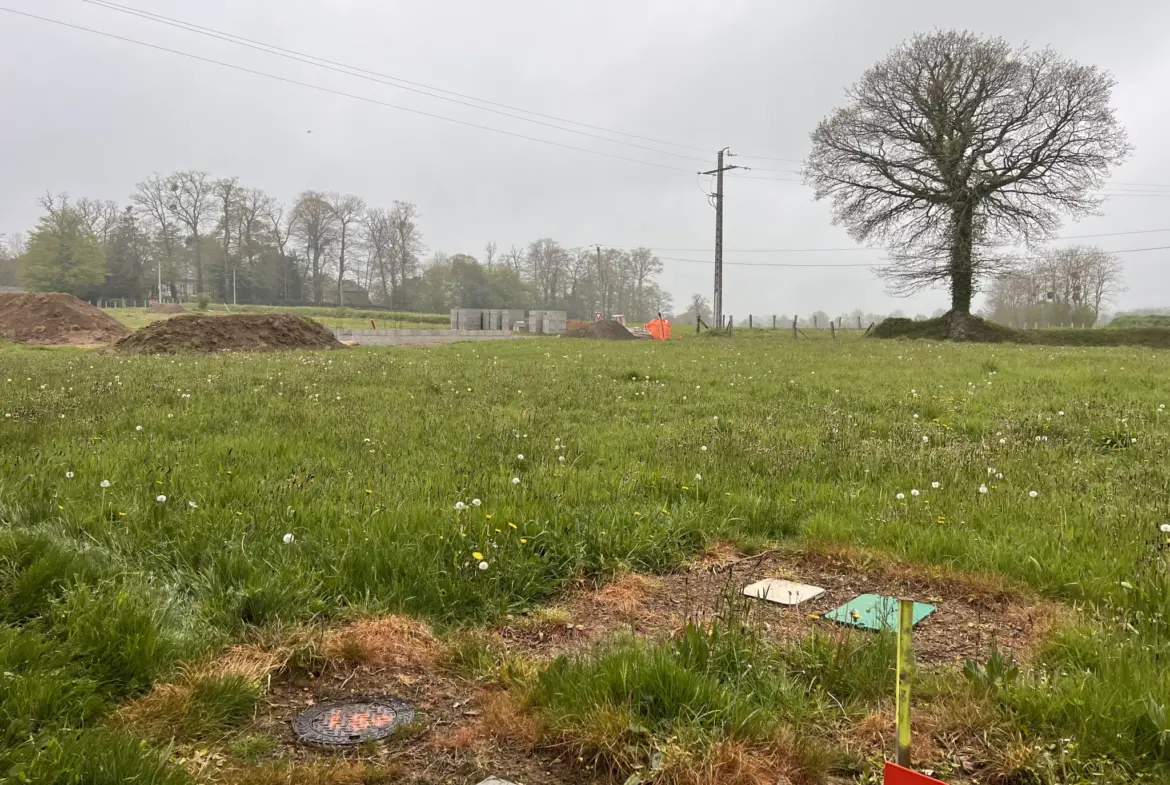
[352, 721]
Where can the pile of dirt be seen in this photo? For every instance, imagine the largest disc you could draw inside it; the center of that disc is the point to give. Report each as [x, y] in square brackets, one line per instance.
[166, 308]
[54, 318]
[236, 332]
[607, 330]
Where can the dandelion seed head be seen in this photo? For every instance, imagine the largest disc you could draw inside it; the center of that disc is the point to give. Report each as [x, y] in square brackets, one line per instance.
[983, 489]
[105, 483]
[459, 506]
[68, 475]
[900, 496]
[1033, 494]
[914, 491]
[138, 428]
[483, 566]
[476, 502]
[1165, 528]
[515, 480]
[288, 538]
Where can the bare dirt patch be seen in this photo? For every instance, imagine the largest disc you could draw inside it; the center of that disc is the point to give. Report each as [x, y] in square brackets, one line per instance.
[456, 738]
[56, 319]
[235, 332]
[973, 612]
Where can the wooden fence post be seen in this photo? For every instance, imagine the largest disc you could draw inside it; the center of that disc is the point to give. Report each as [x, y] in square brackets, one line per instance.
[902, 686]
[730, 325]
[814, 321]
[833, 330]
[773, 321]
[749, 321]
[794, 334]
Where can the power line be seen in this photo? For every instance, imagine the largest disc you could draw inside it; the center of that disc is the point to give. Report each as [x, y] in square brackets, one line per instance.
[341, 93]
[881, 263]
[855, 248]
[392, 81]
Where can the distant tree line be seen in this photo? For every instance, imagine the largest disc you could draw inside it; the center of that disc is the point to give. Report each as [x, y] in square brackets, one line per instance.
[211, 238]
[1062, 286]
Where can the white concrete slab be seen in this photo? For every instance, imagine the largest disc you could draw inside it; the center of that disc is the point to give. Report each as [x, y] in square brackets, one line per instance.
[782, 592]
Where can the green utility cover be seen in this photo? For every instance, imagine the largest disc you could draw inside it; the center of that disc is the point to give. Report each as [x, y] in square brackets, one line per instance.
[875, 612]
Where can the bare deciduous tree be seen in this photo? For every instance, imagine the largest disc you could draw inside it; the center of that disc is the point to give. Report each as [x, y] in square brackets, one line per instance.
[191, 200]
[514, 258]
[101, 217]
[227, 190]
[378, 238]
[151, 198]
[315, 226]
[546, 266]
[347, 211]
[955, 145]
[489, 253]
[1065, 285]
[406, 245]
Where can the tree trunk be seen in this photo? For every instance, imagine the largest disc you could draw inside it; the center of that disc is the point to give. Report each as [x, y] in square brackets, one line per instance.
[962, 271]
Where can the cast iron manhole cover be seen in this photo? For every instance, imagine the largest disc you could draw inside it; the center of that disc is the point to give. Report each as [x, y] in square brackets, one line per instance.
[352, 721]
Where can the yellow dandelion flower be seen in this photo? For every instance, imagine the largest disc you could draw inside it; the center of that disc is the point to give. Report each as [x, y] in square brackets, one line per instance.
[512, 524]
[637, 514]
[477, 555]
[523, 540]
[491, 515]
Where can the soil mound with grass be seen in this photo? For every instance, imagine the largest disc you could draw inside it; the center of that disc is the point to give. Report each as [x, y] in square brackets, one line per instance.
[607, 330]
[238, 332]
[166, 308]
[56, 319]
[943, 328]
[979, 330]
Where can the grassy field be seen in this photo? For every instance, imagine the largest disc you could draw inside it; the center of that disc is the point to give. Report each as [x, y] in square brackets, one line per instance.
[354, 318]
[154, 512]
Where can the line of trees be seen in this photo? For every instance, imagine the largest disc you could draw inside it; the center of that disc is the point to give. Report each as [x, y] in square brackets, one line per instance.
[216, 239]
[1064, 286]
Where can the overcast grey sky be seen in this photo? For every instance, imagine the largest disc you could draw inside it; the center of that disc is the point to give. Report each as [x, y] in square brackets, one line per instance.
[92, 116]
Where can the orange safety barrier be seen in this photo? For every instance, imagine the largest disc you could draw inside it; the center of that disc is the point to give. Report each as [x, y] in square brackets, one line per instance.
[659, 329]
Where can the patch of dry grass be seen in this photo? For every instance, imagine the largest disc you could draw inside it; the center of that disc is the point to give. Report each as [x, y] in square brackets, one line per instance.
[388, 641]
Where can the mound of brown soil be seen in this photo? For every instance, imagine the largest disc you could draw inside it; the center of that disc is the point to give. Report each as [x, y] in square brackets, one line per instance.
[240, 332]
[166, 308]
[54, 318]
[606, 330]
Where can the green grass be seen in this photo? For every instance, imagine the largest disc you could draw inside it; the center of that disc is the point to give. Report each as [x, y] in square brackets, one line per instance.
[362, 456]
[353, 318]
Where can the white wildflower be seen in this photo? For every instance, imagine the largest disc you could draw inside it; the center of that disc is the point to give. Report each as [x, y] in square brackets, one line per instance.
[459, 506]
[68, 475]
[900, 496]
[161, 498]
[698, 478]
[914, 491]
[192, 505]
[520, 457]
[983, 489]
[936, 485]
[703, 448]
[138, 428]
[288, 538]
[561, 459]
[1033, 494]
[1165, 528]
[105, 483]
[515, 480]
[476, 502]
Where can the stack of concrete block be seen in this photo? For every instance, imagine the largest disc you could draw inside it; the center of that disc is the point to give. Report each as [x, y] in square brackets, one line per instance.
[547, 322]
[466, 319]
[512, 316]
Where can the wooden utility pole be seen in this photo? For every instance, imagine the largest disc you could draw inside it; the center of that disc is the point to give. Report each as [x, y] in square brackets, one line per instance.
[600, 284]
[718, 171]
